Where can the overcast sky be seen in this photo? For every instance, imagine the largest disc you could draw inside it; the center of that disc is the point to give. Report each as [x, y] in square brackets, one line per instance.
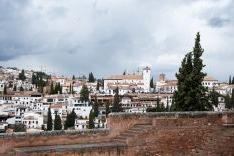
[108, 36]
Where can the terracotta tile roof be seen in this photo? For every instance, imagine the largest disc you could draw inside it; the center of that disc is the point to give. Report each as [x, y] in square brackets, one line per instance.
[170, 83]
[30, 118]
[125, 77]
[209, 78]
[56, 106]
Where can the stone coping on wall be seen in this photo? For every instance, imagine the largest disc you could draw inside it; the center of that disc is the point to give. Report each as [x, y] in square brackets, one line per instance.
[73, 147]
[192, 114]
[55, 133]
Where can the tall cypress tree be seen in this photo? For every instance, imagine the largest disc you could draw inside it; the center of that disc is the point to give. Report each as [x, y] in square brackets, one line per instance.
[91, 119]
[191, 95]
[232, 99]
[181, 96]
[22, 76]
[230, 80]
[70, 89]
[57, 122]
[58, 88]
[70, 121]
[233, 80]
[152, 83]
[198, 90]
[14, 88]
[228, 103]
[91, 77]
[95, 107]
[73, 77]
[167, 106]
[158, 109]
[49, 120]
[84, 93]
[73, 117]
[98, 86]
[116, 105]
[67, 121]
[107, 108]
[5, 90]
[34, 78]
[52, 88]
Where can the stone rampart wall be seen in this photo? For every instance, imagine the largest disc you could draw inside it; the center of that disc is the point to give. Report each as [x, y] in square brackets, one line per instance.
[182, 133]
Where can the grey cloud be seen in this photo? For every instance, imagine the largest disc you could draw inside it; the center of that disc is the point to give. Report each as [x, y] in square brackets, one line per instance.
[57, 12]
[107, 37]
[218, 22]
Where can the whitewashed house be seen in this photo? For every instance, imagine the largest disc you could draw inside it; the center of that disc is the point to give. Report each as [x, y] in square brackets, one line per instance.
[81, 124]
[33, 120]
[81, 108]
[209, 82]
[221, 105]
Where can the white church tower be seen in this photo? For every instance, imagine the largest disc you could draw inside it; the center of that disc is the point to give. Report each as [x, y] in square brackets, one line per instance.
[146, 78]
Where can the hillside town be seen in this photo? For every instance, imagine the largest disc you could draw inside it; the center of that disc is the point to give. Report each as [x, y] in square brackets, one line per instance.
[34, 101]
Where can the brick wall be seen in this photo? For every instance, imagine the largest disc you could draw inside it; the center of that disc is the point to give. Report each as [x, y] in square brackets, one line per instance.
[10, 141]
[180, 133]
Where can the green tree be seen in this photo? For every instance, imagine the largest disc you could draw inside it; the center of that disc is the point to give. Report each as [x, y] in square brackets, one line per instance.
[52, 88]
[159, 107]
[98, 85]
[107, 108]
[34, 79]
[21, 89]
[91, 77]
[58, 88]
[198, 92]
[181, 96]
[5, 90]
[73, 118]
[22, 76]
[70, 121]
[91, 119]
[191, 95]
[67, 122]
[73, 78]
[233, 80]
[20, 128]
[116, 105]
[232, 99]
[84, 93]
[70, 89]
[214, 98]
[167, 107]
[228, 103]
[95, 107]
[49, 120]
[14, 88]
[40, 79]
[152, 83]
[57, 122]
[230, 80]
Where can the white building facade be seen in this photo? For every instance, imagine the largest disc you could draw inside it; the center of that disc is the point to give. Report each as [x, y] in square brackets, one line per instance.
[137, 82]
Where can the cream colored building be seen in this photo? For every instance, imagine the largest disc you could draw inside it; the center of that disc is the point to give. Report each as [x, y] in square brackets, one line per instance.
[137, 82]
